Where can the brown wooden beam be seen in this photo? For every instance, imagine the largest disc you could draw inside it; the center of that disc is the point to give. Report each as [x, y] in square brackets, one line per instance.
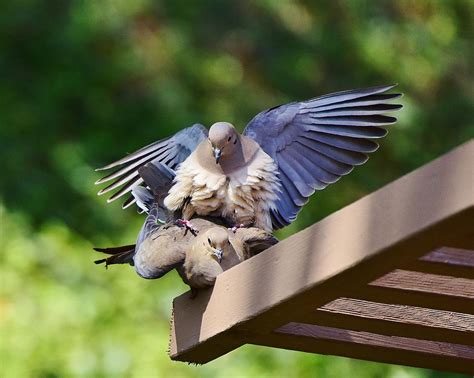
[371, 347]
[421, 211]
[452, 256]
[445, 261]
[427, 283]
[412, 298]
[394, 320]
[440, 269]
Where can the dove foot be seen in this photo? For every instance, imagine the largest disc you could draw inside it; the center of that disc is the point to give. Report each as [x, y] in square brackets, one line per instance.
[187, 225]
[236, 227]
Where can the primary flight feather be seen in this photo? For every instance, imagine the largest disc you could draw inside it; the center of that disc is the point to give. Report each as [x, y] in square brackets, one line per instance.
[264, 176]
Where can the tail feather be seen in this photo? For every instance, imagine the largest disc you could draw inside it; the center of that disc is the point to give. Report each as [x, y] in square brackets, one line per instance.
[115, 250]
[118, 255]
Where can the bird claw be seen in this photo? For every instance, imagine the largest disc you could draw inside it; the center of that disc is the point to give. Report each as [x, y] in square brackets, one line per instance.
[187, 225]
[236, 227]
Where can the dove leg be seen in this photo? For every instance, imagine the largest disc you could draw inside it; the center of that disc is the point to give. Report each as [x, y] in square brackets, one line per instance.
[187, 225]
[236, 227]
[187, 213]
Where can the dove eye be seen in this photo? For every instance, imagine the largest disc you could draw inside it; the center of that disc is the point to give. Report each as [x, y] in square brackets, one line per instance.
[228, 140]
[209, 241]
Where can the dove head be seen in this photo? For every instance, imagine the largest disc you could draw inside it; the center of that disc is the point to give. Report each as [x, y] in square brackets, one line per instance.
[223, 138]
[216, 241]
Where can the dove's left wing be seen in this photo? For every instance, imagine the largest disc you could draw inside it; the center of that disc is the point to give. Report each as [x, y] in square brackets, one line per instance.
[170, 152]
[315, 142]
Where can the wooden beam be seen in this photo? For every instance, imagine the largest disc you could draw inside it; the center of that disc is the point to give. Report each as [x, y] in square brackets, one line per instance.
[412, 298]
[445, 261]
[370, 346]
[428, 283]
[394, 320]
[421, 211]
[451, 256]
[440, 269]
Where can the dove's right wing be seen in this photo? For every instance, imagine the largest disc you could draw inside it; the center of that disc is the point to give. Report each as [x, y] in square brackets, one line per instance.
[317, 141]
[171, 152]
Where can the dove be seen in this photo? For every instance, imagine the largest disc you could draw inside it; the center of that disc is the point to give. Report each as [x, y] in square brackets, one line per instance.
[264, 176]
[216, 250]
[207, 257]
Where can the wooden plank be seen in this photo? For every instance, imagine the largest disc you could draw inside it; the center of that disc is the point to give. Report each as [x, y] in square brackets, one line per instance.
[395, 320]
[445, 261]
[185, 337]
[372, 339]
[402, 314]
[427, 283]
[451, 256]
[440, 269]
[370, 346]
[348, 248]
[412, 298]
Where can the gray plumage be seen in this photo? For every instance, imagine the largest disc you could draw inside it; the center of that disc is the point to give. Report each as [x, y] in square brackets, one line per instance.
[316, 142]
[158, 179]
[171, 152]
[312, 144]
[169, 246]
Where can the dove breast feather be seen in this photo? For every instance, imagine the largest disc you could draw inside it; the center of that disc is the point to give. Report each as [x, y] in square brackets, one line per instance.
[243, 196]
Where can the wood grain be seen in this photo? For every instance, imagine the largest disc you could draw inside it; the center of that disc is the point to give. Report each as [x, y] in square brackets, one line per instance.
[371, 347]
[445, 261]
[401, 314]
[399, 296]
[452, 256]
[395, 320]
[372, 339]
[427, 283]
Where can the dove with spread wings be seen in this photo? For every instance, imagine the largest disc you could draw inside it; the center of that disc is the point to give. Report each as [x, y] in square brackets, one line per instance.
[264, 176]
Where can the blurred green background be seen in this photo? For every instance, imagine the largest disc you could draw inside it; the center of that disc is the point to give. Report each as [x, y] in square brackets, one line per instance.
[83, 82]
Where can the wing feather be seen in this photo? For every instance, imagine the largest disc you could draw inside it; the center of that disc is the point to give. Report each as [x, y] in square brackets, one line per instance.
[170, 151]
[296, 177]
[317, 173]
[345, 143]
[316, 142]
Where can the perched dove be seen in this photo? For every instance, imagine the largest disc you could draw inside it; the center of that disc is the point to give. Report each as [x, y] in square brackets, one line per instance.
[264, 176]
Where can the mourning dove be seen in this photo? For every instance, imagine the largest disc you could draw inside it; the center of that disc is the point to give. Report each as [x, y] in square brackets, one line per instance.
[167, 247]
[264, 176]
[206, 257]
[216, 250]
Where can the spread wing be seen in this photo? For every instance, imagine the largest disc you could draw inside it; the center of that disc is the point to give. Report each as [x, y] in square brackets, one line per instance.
[316, 142]
[171, 152]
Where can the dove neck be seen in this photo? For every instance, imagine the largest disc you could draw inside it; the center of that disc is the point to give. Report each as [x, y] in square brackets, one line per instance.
[234, 157]
[238, 155]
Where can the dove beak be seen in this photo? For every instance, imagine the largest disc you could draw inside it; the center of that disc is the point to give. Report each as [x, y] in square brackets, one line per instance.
[217, 154]
[217, 253]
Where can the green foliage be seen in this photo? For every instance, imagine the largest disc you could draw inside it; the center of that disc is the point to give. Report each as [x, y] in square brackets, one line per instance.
[85, 81]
